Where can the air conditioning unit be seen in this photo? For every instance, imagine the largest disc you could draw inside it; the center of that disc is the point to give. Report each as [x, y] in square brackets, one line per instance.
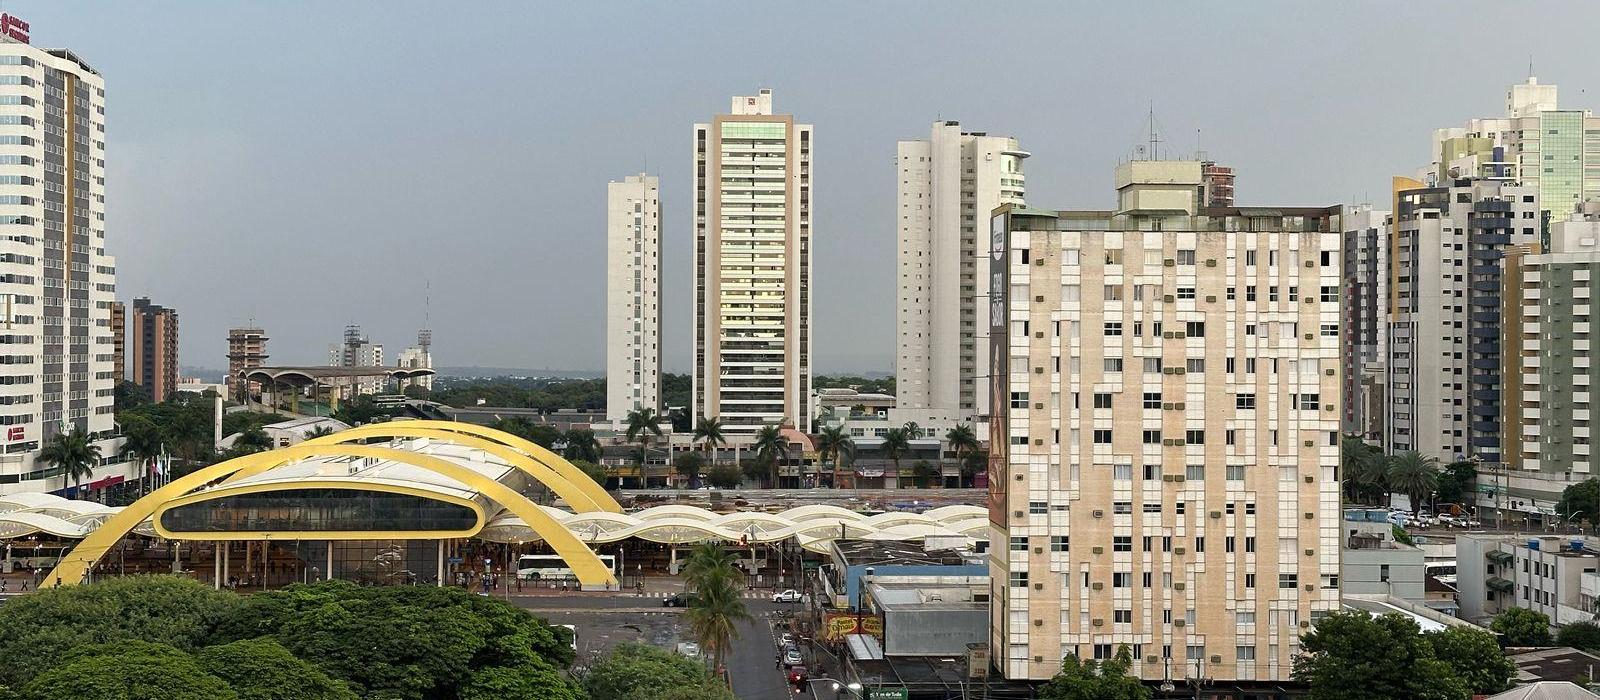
[1178, 586]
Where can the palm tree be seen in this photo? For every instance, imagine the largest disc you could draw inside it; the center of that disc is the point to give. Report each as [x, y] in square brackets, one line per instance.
[319, 431]
[709, 434]
[73, 453]
[643, 424]
[706, 560]
[253, 439]
[835, 442]
[1365, 469]
[895, 445]
[1414, 475]
[962, 440]
[582, 446]
[913, 431]
[771, 448]
[688, 465]
[142, 443]
[714, 613]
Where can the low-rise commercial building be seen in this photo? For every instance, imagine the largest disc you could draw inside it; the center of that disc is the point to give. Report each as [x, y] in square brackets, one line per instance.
[1374, 563]
[1553, 575]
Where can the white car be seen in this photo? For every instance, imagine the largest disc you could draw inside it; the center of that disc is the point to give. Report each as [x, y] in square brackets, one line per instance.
[792, 658]
[789, 596]
[689, 649]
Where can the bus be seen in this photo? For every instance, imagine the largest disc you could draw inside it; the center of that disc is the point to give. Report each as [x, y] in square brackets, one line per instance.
[551, 567]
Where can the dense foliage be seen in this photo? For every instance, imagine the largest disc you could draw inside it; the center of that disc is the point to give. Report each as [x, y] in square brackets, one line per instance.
[880, 385]
[1091, 680]
[544, 394]
[1579, 635]
[640, 672]
[1356, 656]
[1522, 627]
[1580, 501]
[164, 637]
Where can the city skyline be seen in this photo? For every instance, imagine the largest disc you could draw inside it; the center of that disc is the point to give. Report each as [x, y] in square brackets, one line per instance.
[343, 151]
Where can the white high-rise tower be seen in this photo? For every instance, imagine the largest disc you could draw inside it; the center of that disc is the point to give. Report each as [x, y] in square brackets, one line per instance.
[633, 295]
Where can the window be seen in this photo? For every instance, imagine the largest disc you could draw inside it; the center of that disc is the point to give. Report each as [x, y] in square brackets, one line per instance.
[1102, 401]
[1103, 652]
[1234, 473]
[1113, 364]
[1195, 652]
[1122, 507]
[1152, 365]
[1195, 329]
[1249, 544]
[1150, 437]
[1231, 294]
[1272, 293]
[1058, 543]
[1121, 580]
[1250, 292]
[1245, 653]
[1186, 292]
[1287, 581]
[1310, 402]
[1125, 616]
[1102, 437]
[1019, 544]
[1294, 293]
[1244, 618]
[1227, 544]
[1152, 399]
[1194, 472]
[1038, 508]
[1113, 256]
[1250, 257]
[1152, 472]
[1249, 580]
[1122, 472]
[1194, 365]
[1194, 437]
[1122, 543]
[1019, 579]
[1019, 399]
[1113, 292]
[1330, 329]
[1199, 544]
[1244, 402]
[1113, 328]
[1185, 257]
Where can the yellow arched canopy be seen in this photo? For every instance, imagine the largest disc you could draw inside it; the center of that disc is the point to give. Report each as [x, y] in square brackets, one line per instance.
[587, 567]
[581, 481]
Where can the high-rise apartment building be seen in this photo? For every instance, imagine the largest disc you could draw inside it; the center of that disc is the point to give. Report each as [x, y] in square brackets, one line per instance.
[358, 351]
[1444, 355]
[154, 349]
[1366, 313]
[752, 298]
[119, 335]
[948, 184]
[1165, 431]
[418, 356]
[1217, 181]
[247, 349]
[1549, 368]
[633, 295]
[1554, 151]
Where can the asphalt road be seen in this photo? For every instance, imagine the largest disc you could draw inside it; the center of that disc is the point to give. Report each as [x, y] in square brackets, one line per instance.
[605, 621]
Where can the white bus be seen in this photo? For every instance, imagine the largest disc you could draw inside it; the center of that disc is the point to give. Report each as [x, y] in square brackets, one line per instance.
[551, 567]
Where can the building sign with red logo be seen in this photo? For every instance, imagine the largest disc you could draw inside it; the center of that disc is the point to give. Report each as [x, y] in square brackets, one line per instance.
[14, 433]
[13, 26]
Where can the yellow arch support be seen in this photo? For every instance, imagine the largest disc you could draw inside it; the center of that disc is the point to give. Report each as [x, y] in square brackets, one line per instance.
[581, 500]
[597, 493]
[74, 567]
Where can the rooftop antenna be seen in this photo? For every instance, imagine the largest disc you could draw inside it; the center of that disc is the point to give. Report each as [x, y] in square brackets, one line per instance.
[425, 336]
[1155, 138]
[1199, 151]
[1530, 66]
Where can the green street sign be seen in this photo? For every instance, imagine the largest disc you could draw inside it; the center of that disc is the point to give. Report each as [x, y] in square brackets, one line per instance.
[887, 694]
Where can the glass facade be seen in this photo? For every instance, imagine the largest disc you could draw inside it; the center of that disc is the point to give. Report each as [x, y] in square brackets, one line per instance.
[319, 510]
[1561, 167]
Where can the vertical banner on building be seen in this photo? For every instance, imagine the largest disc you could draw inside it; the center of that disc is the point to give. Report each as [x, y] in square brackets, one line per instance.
[999, 366]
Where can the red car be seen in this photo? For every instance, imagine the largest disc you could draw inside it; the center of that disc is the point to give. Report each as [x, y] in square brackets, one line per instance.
[797, 678]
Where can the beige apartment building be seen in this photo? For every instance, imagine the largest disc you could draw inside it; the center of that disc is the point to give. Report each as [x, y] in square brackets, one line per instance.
[1165, 386]
[752, 297]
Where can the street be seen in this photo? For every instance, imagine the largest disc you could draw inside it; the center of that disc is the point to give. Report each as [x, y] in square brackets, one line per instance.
[605, 621]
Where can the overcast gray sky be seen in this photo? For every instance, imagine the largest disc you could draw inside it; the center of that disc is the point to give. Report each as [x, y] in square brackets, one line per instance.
[312, 164]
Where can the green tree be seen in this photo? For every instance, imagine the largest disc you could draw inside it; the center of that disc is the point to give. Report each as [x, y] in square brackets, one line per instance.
[74, 454]
[924, 472]
[706, 561]
[1580, 501]
[642, 425]
[531, 680]
[771, 449]
[142, 441]
[1579, 635]
[1415, 475]
[895, 445]
[974, 464]
[1365, 470]
[724, 476]
[126, 395]
[1089, 680]
[37, 630]
[1355, 656]
[358, 411]
[581, 444]
[126, 670]
[1522, 627]
[715, 611]
[1456, 483]
[709, 434]
[835, 446]
[319, 431]
[634, 671]
[1475, 657]
[689, 465]
[962, 440]
[594, 471]
[253, 440]
[261, 669]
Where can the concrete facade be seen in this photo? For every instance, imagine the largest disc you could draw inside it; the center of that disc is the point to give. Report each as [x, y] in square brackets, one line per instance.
[247, 349]
[752, 299]
[153, 353]
[1366, 305]
[633, 296]
[1164, 453]
[947, 185]
[1556, 576]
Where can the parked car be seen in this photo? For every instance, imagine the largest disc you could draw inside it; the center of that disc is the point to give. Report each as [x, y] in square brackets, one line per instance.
[797, 678]
[689, 649]
[792, 658]
[789, 596]
[786, 640]
[677, 600]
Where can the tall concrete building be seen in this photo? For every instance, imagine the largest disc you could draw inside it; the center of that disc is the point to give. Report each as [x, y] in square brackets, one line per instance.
[1549, 368]
[247, 349]
[1444, 355]
[752, 238]
[633, 295]
[58, 284]
[153, 354]
[1553, 151]
[419, 355]
[948, 184]
[1366, 313]
[358, 351]
[119, 336]
[1217, 179]
[1165, 436]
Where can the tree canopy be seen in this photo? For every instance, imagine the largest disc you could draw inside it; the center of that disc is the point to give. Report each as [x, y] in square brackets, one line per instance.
[1092, 680]
[126, 670]
[1580, 635]
[1581, 501]
[1476, 658]
[1522, 627]
[641, 672]
[1355, 656]
[261, 669]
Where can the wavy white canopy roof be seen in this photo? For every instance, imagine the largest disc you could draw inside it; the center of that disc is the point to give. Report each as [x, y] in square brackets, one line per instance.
[23, 514]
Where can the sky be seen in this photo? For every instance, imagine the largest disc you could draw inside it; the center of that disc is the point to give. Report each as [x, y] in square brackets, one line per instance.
[312, 164]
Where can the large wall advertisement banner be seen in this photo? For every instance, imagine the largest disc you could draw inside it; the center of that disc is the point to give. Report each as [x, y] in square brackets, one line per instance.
[999, 367]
